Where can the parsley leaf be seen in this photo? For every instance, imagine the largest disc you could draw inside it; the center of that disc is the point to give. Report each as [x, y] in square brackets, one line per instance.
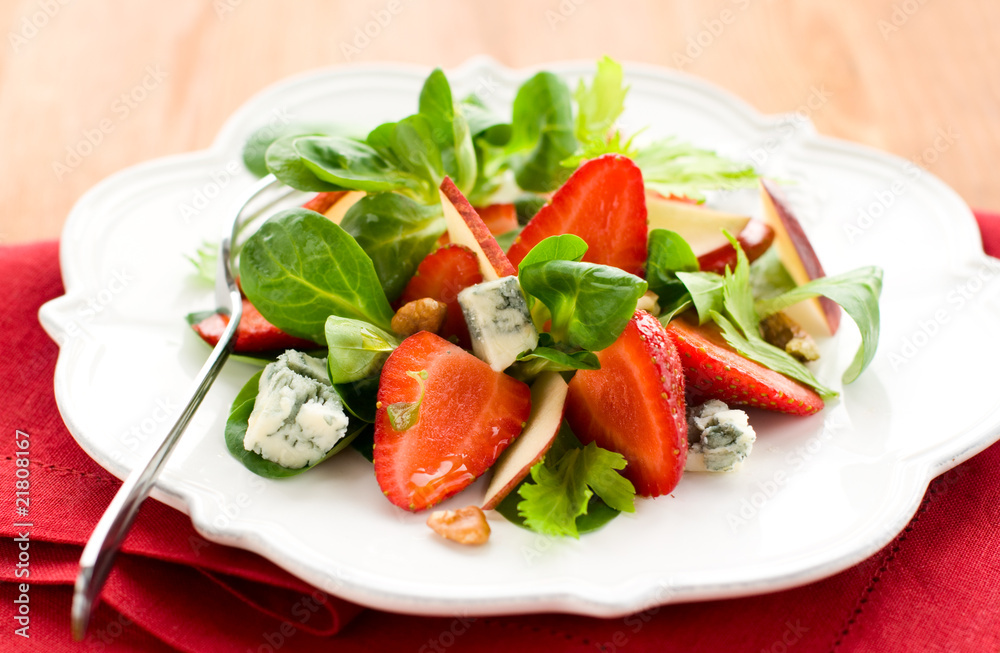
[562, 489]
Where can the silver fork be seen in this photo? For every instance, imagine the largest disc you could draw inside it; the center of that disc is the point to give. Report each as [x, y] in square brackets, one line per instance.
[102, 547]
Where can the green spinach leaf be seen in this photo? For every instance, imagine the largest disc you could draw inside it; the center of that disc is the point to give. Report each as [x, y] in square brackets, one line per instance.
[396, 233]
[300, 268]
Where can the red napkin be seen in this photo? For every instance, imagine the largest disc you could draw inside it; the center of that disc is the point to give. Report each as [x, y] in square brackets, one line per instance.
[935, 587]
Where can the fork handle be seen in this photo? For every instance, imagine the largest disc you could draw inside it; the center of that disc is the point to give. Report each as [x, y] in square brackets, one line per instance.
[102, 547]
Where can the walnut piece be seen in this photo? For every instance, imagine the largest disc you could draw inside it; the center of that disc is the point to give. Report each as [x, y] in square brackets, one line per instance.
[465, 526]
[419, 315]
[785, 333]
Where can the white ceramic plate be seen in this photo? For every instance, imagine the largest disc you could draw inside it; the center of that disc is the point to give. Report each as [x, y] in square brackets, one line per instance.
[818, 495]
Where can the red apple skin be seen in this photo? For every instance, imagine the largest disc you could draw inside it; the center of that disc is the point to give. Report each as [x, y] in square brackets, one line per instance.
[494, 253]
[502, 493]
[804, 249]
[755, 239]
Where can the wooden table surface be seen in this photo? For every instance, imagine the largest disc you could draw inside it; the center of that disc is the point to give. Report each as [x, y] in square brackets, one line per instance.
[898, 72]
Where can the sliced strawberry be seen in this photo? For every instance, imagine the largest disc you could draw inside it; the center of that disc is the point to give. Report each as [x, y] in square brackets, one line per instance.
[604, 202]
[467, 416]
[442, 275]
[715, 371]
[323, 201]
[634, 405]
[254, 335]
[499, 219]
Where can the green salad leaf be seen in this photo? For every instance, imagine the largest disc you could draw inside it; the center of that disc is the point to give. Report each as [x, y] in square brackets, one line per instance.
[600, 104]
[705, 290]
[205, 261]
[236, 431]
[356, 349]
[450, 131]
[740, 329]
[284, 162]
[669, 254]
[542, 133]
[396, 233]
[565, 247]
[672, 166]
[566, 481]
[360, 397]
[857, 292]
[590, 304]
[255, 148]
[299, 268]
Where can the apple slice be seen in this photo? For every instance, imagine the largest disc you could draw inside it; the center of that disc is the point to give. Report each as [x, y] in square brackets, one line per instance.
[465, 227]
[339, 209]
[548, 399]
[819, 316]
[755, 239]
[701, 227]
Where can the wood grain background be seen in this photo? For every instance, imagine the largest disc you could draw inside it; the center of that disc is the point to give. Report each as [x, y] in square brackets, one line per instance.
[897, 71]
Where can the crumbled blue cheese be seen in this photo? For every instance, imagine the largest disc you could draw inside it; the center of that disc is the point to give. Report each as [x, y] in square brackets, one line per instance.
[719, 439]
[297, 417]
[499, 323]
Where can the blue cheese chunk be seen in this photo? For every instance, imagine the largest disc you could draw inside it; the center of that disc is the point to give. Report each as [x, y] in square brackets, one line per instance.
[499, 322]
[297, 417]
[719, 439]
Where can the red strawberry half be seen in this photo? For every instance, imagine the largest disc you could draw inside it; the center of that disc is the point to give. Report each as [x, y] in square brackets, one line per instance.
[634, 405]
[466, 418]
[323, 201]
[604, 202]
[254, 335]
[442, 275]
[715, 371]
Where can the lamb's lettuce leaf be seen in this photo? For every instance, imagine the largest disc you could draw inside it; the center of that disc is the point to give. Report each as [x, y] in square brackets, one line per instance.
[356, 349]
[542, 133]
[669, 254]
[589, 304]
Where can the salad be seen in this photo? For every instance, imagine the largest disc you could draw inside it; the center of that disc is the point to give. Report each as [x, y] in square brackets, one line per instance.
[529, 294]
